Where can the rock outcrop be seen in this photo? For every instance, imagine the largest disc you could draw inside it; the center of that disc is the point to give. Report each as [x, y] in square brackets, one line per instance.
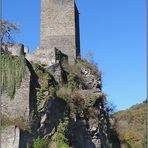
[55, 96]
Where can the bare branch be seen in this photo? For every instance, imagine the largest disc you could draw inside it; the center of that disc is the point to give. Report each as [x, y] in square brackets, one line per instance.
[8, 30]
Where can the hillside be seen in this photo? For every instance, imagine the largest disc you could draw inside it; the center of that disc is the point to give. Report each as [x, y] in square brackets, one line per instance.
[130, 125]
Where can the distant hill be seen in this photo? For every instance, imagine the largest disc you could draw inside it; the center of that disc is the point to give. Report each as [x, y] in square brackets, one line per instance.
[130, 126]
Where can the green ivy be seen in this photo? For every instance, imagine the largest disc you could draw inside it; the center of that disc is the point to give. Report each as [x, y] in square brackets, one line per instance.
[60, 137]
[41, 97]
[47, 86]
[40, 143]
[13, 70]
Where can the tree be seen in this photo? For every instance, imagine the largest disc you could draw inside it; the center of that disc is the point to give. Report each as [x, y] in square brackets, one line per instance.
[8, 30]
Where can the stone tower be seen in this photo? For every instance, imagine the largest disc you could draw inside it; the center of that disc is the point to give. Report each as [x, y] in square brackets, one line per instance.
[59, 27]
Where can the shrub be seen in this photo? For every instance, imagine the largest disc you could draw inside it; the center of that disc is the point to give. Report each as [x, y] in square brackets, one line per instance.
[64, 93]
[90, 100]
[60, 135]
[90, 65]
[40, 143]
[77, 102]
[19, 122]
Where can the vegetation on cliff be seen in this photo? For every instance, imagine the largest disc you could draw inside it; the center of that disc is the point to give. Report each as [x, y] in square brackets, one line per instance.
[61, 133]
[13, 69]
[79, 103]
[47, 86]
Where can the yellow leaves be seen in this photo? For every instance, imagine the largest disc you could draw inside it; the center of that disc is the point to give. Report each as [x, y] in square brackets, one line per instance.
[130, 135]
[131, 125]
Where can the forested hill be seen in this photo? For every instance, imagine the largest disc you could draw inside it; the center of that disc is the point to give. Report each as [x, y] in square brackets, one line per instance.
[130, 126]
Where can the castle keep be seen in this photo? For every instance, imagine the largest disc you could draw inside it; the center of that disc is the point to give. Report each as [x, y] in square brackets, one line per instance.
[59, 27]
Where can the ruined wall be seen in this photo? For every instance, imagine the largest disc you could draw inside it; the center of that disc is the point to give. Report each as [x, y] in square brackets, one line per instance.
[17, 49]
[59, 28]
[19, 106]
[46, 57]
[14, 137]
[42, 57]
[10, 137]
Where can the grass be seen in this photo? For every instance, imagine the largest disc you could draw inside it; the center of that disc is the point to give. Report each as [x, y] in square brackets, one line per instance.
[19, 122]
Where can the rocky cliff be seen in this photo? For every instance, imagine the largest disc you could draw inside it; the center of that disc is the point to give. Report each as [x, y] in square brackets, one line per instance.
[58, 105]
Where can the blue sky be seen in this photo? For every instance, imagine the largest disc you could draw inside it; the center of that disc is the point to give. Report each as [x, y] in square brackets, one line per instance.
[114, 30]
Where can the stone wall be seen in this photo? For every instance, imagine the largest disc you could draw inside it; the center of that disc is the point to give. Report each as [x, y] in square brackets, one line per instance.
[46, 57]
[19, 105]
[15, 49]
[14, 137]
[60, 27]
[42, 57]
[15, 109]
[10, 137]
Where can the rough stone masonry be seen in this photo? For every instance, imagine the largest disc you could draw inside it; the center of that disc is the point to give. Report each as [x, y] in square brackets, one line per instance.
[59, 27]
